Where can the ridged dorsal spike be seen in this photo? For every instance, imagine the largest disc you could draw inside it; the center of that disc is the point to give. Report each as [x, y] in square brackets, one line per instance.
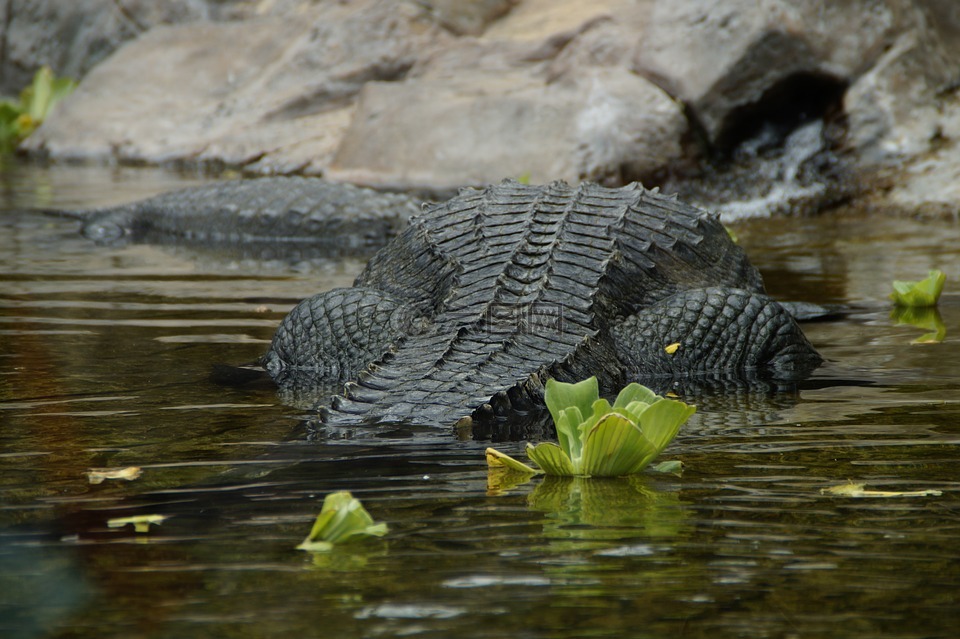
[500, 402]
[484, 411]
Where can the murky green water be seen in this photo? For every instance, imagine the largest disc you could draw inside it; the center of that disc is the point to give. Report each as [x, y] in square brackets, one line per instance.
[105, 361]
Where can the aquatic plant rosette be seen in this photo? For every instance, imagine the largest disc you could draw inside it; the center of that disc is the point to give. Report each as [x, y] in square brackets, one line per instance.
[597, 439]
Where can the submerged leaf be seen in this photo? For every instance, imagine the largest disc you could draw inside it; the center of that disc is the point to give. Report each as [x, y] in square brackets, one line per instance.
[857, 490]
[926, 292]
[98, 475]
[341, 517]
[672, 466]
[141, 523]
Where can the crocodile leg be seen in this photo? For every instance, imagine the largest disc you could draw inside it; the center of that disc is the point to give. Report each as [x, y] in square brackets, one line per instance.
[713, 330]
[330, 337]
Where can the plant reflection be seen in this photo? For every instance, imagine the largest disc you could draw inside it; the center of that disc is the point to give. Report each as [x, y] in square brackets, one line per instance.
[608, 508]
[923, 317]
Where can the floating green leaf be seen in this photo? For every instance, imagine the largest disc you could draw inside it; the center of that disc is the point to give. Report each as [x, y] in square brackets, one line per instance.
[926, 292]
[341, 517]
[497, 459]
[597, 439]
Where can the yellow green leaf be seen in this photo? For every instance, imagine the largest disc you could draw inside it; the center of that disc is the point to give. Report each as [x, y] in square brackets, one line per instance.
[551, 459]
[926, 292]
[614, 447]
[98, 475]
[341, 517]
[560, 396]
[634, 392]
[661, 422]
[496, 459]
[141, 523]
[672, 466]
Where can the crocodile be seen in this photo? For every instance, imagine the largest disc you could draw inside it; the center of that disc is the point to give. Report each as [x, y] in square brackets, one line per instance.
[284, 214]
[462, 318]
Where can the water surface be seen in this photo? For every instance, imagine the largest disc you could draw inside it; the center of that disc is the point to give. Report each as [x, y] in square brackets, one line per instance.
[106, 355]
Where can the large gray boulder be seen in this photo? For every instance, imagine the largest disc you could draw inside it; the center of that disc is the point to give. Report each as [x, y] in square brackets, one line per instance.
[733, 60]
[598, 124]
[242, 92]
[72, 36]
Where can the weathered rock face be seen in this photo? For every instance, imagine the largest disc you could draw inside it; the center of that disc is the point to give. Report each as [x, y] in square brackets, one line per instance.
[597, 125]
[434, 94]
[72, 37]
[239, 91]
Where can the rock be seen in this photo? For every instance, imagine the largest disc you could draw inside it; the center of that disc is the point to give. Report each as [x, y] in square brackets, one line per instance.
[555, 22]
[893, 108]
[434, 94]
[236, 92]
[736, 62]
[598, 124]
[469, 16]
[72, 37]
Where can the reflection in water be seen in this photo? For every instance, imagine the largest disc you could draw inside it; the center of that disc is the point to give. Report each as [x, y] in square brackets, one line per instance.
[105, 362]
[606, 508]
[925, 318]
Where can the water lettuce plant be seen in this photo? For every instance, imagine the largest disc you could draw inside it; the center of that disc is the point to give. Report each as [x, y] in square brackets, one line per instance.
[926, 292]
[597, 439]
[341, 517]
[18, 119]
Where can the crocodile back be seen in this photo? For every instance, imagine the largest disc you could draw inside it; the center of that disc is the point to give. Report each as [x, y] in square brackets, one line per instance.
[519, 282]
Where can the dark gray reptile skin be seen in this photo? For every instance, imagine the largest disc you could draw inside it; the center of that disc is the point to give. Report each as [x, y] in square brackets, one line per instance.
[483, 297]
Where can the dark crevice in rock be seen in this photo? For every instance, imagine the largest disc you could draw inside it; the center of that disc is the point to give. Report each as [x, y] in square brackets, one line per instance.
[780, 154]
[793, 101]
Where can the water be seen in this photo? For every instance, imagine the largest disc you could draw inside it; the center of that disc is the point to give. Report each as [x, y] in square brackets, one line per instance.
[106, 356]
